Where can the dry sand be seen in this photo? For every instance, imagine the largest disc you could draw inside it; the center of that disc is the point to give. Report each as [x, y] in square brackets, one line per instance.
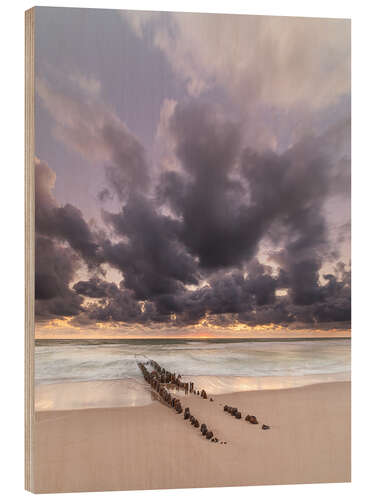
[151, 447]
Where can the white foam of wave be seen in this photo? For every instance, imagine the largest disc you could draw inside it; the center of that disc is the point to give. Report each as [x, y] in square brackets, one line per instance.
[129, 392]
[251, 359]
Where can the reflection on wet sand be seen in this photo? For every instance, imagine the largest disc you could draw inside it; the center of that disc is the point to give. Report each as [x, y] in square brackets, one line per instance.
[230, 384]
[134, 392]
[93, 394]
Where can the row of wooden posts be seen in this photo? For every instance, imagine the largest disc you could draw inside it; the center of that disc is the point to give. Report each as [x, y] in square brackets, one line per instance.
[166, 377]
[159, 379]
[249, 418]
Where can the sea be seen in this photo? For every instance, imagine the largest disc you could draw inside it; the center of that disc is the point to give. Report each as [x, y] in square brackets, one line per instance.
[79, 374]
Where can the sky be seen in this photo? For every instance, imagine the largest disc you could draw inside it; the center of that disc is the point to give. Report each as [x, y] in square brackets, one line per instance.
[192, 175]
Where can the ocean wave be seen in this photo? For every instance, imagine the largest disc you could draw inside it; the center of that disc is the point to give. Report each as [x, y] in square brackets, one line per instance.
[54, 363]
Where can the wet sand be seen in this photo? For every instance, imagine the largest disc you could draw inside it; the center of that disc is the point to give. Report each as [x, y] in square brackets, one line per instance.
[151, 447]
[135, 392]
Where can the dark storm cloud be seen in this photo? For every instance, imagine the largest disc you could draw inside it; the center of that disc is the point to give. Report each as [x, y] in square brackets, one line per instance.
[63, 239]
[289, 190]
[151, 258]
[115, 303]
[55, 268]
[228, 294]
[121, 308]
[65, 223]
[215, 224]
[128, 171]
[190, 251]
[95, 288]
[194, 222]
[229, 199]
[225, 294]
[335, 304]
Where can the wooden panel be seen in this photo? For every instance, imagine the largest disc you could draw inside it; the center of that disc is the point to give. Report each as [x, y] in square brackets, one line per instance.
[29, 242]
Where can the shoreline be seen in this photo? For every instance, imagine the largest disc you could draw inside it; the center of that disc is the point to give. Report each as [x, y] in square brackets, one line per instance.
[130, 392]
[151, 447]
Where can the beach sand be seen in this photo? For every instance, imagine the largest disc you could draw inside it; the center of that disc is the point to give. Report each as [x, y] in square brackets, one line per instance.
[151, 447]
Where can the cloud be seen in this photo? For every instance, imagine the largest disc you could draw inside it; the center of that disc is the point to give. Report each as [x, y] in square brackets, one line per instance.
[193, 246]
[281, 61]
[86, 125]
[222, 201]
[88, 84]
[149, 254]
[204, 195]
[284, 77]
[63, 241]
[65, 223]
[114, 304]
[230, 197]
[105, 195]
[95, 288]
[55, 267]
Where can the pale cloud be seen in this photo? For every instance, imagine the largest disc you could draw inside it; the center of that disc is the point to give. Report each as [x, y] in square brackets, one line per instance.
[86, 125]
[88, 84]
[138, 19]
[280, 61]
[79, 121]
[164, 140]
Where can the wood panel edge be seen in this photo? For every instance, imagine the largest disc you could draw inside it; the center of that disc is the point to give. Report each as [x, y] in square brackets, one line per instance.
[29, 242]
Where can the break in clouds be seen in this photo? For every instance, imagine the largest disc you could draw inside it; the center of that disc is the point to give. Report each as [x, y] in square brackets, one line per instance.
[213, 222]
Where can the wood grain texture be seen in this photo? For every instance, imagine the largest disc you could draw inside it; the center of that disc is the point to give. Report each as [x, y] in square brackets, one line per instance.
[29, 242]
